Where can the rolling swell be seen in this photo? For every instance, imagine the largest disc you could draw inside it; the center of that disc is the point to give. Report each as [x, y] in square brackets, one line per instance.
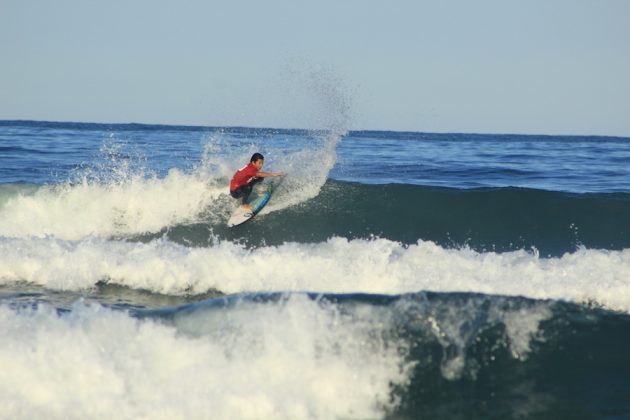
[489, 219]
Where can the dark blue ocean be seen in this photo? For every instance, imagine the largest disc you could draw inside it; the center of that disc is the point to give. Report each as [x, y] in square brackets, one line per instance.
[392, 275]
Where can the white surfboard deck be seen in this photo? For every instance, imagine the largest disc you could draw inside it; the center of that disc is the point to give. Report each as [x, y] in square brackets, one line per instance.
[257, 200]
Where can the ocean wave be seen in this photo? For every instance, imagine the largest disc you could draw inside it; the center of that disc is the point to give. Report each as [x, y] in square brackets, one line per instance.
[501, 219]
[338, 265]
[301, 362]
[118, 197]
[295, 355]
[75, 211]
[192, 209]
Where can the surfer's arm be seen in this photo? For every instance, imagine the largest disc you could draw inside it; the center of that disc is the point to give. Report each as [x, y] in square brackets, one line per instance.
[268, 174]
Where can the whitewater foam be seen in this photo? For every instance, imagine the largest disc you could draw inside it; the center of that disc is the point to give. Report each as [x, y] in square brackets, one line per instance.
[118, 199]
[88, 209]
[298, 360]
[335, 266]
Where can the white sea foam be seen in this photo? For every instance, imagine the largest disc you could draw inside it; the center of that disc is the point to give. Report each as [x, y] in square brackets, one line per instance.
[125, 201]
[135, 206]
[337, 266]
[298, 360]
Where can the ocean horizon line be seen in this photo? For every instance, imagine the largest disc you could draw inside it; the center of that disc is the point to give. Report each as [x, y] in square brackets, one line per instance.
[199, 127]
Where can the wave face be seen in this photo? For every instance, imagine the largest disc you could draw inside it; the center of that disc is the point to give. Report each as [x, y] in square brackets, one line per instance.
[498, 220]
[188, 210]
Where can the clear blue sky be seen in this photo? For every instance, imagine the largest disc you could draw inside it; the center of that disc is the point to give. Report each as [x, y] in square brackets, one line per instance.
[530, 66]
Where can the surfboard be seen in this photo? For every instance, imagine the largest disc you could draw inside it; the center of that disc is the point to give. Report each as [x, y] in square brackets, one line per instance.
[258, 199]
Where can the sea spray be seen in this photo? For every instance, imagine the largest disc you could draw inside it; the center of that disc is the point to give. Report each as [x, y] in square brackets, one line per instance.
[335, 266]
[324, 99]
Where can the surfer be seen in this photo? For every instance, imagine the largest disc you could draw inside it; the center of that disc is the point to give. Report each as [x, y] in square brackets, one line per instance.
[249, 175]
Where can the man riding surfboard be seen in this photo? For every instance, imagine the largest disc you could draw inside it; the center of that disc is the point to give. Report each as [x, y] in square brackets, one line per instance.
[245, 178]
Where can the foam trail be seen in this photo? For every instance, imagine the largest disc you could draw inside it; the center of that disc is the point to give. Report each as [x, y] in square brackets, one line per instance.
[335, 266]
[299, 360]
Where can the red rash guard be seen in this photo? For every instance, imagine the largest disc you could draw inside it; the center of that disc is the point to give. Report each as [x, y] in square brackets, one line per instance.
[243, 176]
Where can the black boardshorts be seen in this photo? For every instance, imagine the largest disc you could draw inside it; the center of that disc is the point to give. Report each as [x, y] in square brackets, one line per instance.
[245, 190]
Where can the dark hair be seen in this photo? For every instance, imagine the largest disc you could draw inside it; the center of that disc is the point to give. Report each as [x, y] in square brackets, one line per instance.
[256, 156]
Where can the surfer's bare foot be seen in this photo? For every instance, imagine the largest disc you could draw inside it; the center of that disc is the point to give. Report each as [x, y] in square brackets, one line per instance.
[246, 207]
